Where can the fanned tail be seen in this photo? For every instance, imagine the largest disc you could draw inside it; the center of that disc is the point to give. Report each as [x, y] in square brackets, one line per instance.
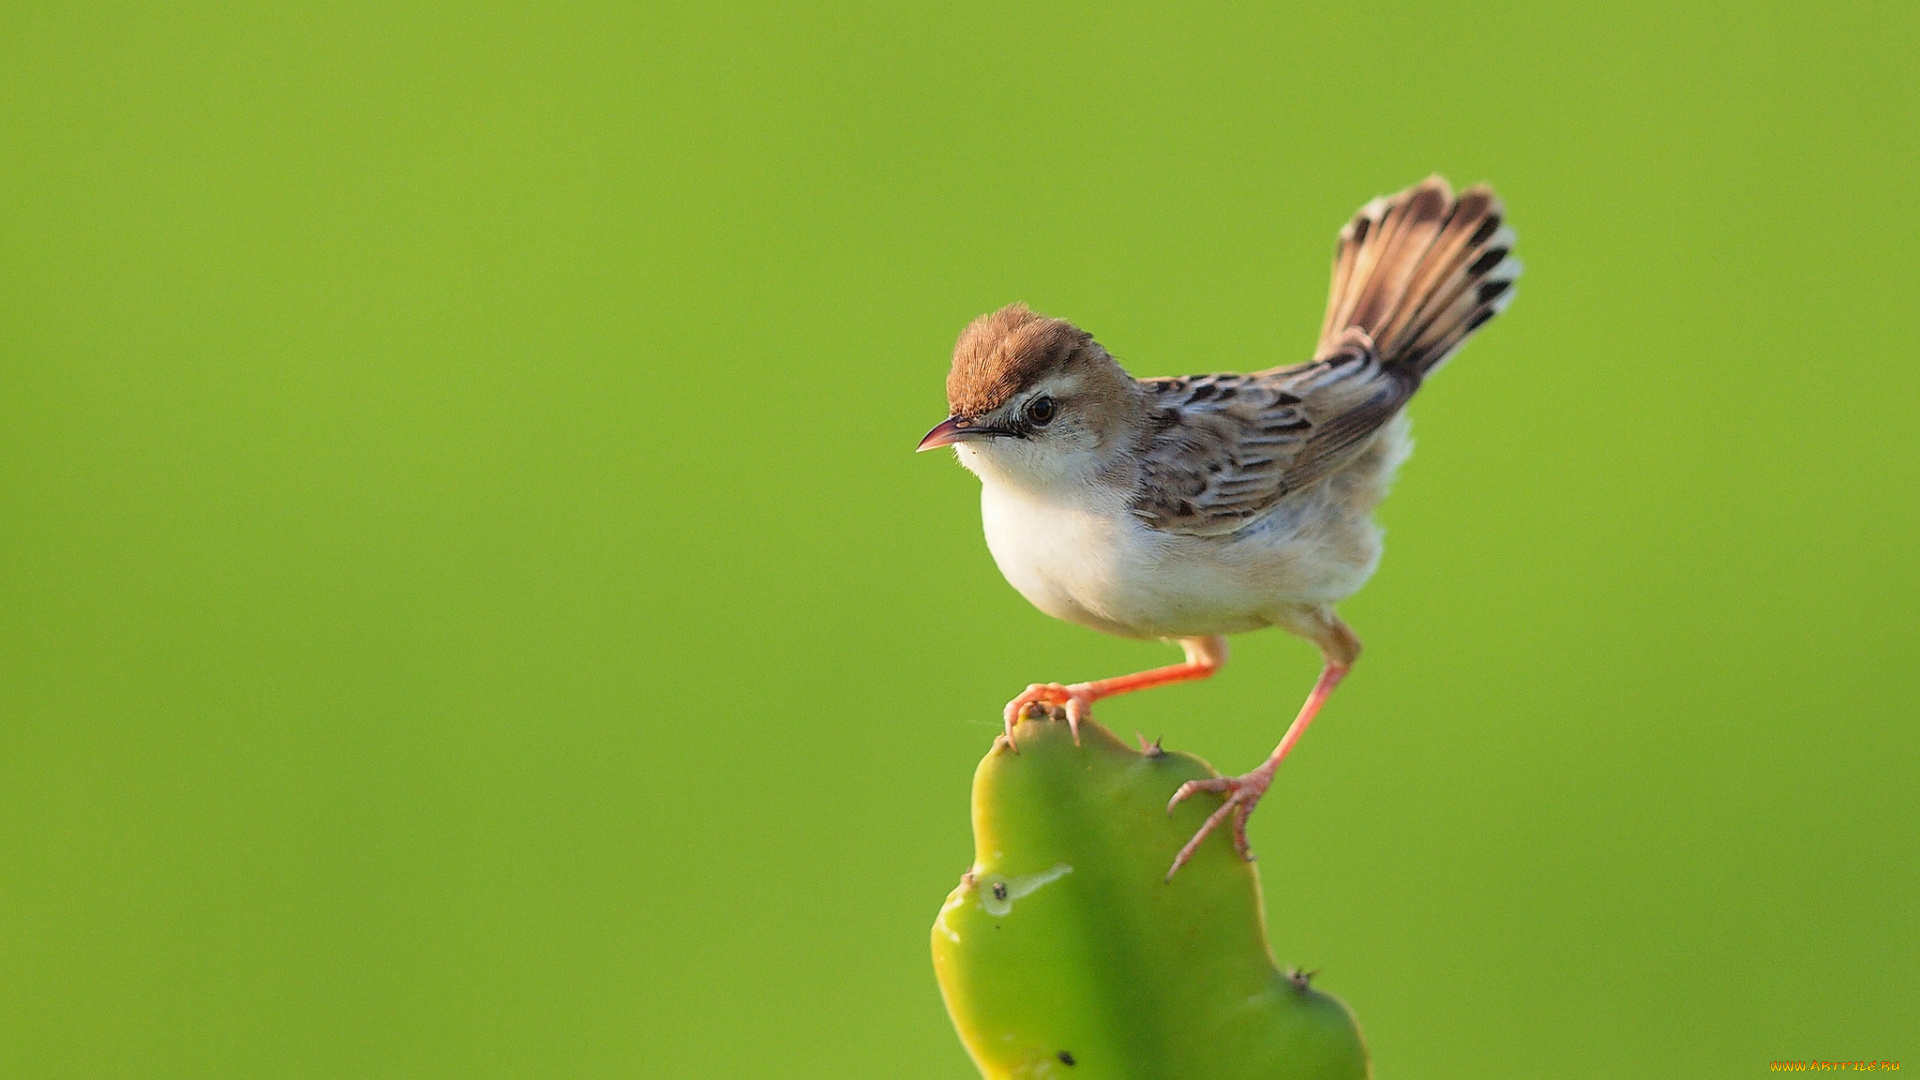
[1420, 271]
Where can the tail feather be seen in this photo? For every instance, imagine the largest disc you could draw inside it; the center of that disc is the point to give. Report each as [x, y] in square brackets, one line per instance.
[1419, 271]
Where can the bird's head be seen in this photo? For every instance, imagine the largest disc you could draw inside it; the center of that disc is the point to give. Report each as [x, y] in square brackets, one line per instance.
[1034, 401]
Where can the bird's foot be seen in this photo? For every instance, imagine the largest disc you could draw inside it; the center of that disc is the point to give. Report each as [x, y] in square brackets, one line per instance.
[1243, 794]
[1076, 699]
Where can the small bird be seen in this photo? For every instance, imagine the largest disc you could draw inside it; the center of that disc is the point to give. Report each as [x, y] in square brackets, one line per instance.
[1196, 507]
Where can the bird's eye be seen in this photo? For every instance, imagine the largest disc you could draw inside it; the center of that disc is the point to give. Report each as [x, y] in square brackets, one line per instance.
[1040, 410]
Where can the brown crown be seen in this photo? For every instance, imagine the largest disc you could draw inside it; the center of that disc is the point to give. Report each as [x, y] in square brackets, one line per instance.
[999, 354]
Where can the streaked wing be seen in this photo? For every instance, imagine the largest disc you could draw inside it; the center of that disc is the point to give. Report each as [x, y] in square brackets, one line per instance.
[1224, 449]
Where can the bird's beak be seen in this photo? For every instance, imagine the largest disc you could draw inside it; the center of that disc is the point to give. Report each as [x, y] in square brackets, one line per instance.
[952, 430]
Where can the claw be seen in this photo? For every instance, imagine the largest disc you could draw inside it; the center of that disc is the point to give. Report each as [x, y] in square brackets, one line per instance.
[1039, 699]
[1243, 794]
[1076, 711]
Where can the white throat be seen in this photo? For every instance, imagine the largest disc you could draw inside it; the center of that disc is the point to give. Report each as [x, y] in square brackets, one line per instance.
[1035, 470]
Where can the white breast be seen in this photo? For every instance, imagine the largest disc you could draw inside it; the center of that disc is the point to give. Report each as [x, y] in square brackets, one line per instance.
[1064, 559]
[1095, 564]
[1065, 539]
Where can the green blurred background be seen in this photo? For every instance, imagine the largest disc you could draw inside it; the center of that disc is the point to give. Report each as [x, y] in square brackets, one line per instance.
[469, 608]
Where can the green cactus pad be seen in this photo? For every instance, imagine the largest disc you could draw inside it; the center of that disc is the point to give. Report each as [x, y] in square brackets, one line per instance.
[1065, 953]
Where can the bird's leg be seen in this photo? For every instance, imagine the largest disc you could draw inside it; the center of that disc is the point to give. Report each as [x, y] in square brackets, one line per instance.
[1341, 647]
[1205, 655]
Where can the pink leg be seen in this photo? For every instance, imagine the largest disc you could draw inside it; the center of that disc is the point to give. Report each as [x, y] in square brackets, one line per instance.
[1204, 657]
[1243, 792]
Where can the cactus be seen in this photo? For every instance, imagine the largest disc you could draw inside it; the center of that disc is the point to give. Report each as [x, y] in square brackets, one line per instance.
[1065, 952]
